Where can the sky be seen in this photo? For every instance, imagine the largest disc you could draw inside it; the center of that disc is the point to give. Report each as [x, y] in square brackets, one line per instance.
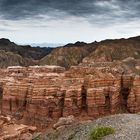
[68, 21]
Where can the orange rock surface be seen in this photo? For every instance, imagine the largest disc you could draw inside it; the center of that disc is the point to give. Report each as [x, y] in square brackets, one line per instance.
[40, 95]
[9, 130]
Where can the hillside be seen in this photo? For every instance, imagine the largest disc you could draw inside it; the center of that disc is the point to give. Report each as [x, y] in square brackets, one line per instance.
[13, 54]
[107, 50]
[10, 59]
[70, 54]
[126, 127]
[110, 50]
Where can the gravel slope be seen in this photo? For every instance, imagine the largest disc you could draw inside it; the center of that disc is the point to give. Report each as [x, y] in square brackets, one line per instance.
[127, 127]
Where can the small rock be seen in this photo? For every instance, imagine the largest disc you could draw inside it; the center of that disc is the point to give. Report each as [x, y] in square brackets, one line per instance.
[64, 121]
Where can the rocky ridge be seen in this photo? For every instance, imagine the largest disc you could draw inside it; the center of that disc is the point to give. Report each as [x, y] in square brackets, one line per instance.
[12, 54]
[104, 51]
[70, 54]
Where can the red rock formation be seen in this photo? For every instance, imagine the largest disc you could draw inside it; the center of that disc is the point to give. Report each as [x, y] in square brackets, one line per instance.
[9, 130]
[41, 95]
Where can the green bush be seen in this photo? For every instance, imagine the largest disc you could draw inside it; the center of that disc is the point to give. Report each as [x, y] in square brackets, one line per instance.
[100, 131]
[36, 139]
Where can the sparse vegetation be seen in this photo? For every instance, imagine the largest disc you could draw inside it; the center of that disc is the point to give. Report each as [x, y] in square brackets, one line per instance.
[36, 138]
[100, 131]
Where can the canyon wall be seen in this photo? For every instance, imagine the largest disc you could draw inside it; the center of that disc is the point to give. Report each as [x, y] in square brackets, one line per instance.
[39, 95]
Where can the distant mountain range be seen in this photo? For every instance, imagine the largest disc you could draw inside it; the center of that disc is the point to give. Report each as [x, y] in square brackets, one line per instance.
[19, 55]
[53, 45]
[12, 54]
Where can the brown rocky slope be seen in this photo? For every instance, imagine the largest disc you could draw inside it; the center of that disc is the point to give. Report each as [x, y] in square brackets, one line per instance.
[70, 54]
[12, 54]
[126, 127]
[107, 50]
[10, 130]
[40, 95]
[110, 50]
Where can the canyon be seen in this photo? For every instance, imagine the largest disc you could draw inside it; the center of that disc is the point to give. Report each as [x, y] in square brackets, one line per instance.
[41, 89]
[40, 95]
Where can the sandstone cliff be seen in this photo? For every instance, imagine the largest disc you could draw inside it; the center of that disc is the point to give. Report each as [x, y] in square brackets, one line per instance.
[110, 84]
[40, 95]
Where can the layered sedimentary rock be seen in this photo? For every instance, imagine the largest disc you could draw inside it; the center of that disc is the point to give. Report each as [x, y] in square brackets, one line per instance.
[41, 95]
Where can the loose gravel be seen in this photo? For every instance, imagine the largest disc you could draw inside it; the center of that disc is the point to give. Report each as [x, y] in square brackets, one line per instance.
[127, 127]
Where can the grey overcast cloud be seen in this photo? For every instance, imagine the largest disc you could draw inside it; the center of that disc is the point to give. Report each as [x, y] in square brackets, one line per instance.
[64, 21]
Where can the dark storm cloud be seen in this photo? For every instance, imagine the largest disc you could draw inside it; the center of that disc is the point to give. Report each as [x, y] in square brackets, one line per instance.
[15, 9]
[93, 10]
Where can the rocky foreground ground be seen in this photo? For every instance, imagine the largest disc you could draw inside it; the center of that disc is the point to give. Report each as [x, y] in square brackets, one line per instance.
[127, 127]
[10, 130]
